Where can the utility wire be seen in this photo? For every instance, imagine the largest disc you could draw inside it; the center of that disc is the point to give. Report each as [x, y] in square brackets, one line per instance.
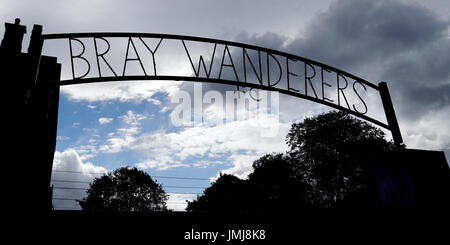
[76, 172]
[73, 199]
[155, 176]
[187, 178]
[186, 187]
[64, 199]
[69, 188]
[166, 186]
[71, 181]
[187, 193]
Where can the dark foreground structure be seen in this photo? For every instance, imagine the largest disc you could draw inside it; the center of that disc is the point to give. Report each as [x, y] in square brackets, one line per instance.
[266, 228]
[413, 185]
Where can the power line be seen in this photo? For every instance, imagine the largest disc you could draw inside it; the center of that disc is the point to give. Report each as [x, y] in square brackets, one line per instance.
[71, 181]
[69, 188]
[187, 178]
[190, 193]
[187, 193]
[88, 182]
[76, 172]
[166, 186]
[66, 208]
[64, 199]
[155, 176]
[73, 199]
[77, 205]
[187, 187]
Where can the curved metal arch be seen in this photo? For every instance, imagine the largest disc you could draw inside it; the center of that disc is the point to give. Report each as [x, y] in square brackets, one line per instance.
[205, 40]
[213, 80]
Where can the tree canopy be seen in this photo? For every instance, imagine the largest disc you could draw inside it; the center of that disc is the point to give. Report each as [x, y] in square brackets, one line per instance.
[276, 185]
[227, 193]
[124, 189]
[328, 165]
[333, 152]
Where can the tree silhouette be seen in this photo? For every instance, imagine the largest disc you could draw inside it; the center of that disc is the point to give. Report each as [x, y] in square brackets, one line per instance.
[227, 193]
[275, 184]
[271, 186]
[125, 189]
[328, 165]
[334, 153]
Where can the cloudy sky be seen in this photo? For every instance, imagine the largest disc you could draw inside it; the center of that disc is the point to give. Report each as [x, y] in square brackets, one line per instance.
[108, 125]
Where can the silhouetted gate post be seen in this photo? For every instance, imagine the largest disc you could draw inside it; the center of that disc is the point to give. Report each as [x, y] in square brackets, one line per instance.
[390, 113]
[31, 102]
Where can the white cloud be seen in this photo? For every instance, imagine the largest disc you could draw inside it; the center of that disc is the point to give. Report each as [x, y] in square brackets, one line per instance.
[68, 166]
[86, 151]
[132, 118]
[62, 138]
[207, 163]
[238, 140]
[430, 132]
[242, 165]
[105, 120]
[164, 109]
[119, 140]
[69, 160]
[177, 202]
[125, 91]
[123, 137]
[161, 163]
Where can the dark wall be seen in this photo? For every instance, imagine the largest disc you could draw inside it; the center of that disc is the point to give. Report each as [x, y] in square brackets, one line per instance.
[413, 180]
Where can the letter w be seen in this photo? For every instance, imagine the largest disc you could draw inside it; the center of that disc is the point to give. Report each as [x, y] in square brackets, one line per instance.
[201, 62]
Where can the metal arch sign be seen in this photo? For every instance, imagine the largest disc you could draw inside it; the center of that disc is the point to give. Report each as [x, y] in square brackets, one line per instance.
[250, 65]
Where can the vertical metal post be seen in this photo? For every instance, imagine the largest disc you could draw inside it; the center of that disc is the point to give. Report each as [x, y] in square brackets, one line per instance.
[390, 113]
[43, 75]
[34, 51]
[43, 117]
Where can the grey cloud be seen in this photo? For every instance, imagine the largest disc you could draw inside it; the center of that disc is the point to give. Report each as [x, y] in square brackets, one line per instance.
[423, 99]
[405, 45]
[354, 32]
[209, 18]
[401, 43]
[428, 65]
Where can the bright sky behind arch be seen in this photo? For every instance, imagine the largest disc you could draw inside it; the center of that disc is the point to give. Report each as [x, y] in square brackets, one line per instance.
[109, 125]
